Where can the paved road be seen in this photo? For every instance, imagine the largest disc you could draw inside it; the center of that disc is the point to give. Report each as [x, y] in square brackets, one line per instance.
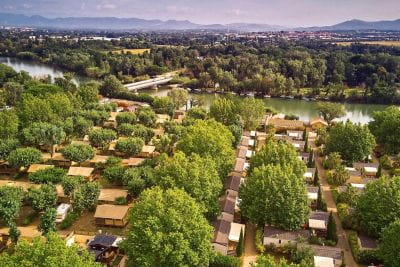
[342, 237]
[250, 251]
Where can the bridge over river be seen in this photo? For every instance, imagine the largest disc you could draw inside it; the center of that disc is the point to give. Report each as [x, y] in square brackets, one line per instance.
[151, 83]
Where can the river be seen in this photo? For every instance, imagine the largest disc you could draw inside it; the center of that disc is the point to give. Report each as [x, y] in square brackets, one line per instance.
[306, 110]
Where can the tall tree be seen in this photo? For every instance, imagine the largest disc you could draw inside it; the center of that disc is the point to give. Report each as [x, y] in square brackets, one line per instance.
[179, 97]
[9, 123]
[331, 229]
[354, 142]
[48, 221]
[252, 111]
[49, 252]
[389, 246]
[78, 152]
[44, 134]
[176, 220]
[330, 111]
[275, 195]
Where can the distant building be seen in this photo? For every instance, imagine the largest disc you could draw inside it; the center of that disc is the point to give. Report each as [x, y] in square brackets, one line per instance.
[279, 237]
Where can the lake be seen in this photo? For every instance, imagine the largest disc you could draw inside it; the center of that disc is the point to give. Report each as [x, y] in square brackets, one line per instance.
[306, 110]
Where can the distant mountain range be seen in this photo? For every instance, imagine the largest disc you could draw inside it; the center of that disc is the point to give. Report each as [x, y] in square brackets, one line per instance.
[135, 24]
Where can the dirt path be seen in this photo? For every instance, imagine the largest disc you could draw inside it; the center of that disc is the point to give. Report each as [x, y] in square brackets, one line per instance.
[250, 251]
[342, 237]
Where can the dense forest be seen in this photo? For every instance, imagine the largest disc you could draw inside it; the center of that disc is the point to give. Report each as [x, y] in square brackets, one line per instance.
[362, 73]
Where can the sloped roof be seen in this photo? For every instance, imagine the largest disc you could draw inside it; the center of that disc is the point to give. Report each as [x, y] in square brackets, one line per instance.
[241, 152]
[273, 232]
[80, 171]
[38, 167]
[288, 124]
[319, 215]
[111, 194]
[233, 183]
[227, 204]
[133, 161]
[107, 211]
[221, 232]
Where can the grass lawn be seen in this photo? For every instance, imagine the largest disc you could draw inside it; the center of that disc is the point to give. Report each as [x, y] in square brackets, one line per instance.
[384, 43]
[139, 51]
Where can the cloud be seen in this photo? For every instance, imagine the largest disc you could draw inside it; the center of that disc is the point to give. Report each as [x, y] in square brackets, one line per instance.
[106, 6]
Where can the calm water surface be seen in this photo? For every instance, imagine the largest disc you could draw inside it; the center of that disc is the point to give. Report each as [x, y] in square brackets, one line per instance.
[306, 110]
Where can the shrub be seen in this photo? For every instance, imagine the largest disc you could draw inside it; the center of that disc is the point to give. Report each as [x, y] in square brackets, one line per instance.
[385, 162]
[69, 220]
[147, 117]
[126, 129]
[78, 152]
[6, 146]
[143, 132]
[22, 157]
[126, 117]
[259, 240]
[120, 201]
[50, 175]
[102, 137]
[130, 146]
[220, 260]
[114, 174]
[136, 186]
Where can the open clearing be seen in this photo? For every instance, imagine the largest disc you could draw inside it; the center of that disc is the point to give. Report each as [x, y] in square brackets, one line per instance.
[384, 43]
[138, 51]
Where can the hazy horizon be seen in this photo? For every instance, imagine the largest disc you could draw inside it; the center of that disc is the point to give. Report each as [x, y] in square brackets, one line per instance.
[299, 13]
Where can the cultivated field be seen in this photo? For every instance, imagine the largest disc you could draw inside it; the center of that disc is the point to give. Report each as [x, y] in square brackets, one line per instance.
[385, 43]
[139, 51]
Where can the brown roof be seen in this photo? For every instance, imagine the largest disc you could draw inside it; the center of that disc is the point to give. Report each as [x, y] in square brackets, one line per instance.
[241, 152]
[245, 141]
[319, 215]
[133, 161]
[361, 165]
[99, 159]
[239, 165]
[148, 149]
[58, 157]
[288, 124]
[24, 185]
[312, 189]
[325, 251]
[80, 171]
[107, 211]
[233, 183]
[274, 232]
[111, 194]
[318, 120]
[221, 233]
[227, 204]
[38, 167]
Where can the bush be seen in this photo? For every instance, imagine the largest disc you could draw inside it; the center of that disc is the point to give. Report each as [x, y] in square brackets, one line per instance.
[126, 117]
[126, 129]
[259, 240]
[134, 97]
[114, 174]
[50, 175]
[22, 157]
[120, 201]
[130, 146]
[78, 152]
[102, 137]
[136, 186]
[6, 146]
[220, 260]
[385, 162]
[147, 117]
[69, 220]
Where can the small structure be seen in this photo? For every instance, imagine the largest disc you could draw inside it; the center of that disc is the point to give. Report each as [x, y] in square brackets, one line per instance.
[147, 151]
[241, 152]
[234, 233]
[61, 197]
[354, 174]
[318, 123]
[81, 171]
[24, 185]
[304, 156]
[232, 184]
[108, 196]
[62, 211]
[296, 135]
[284, 125]
[37, 167]
[318, 221]
[325, 256]
[245, 141]
[367, 243]
[367, 169]
[239, 165]
[103, 247]
[59, 159]
[312, 192]
[298, 145]
[227, 204]
[80, 142]
[280, 238]
[111, 215]
[99, 159]
[133, 162]
[162, 118]
[249, 154]
[309, 175]
[220, 242]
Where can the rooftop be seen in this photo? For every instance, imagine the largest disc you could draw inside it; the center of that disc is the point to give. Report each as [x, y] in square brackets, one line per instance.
[107, 211]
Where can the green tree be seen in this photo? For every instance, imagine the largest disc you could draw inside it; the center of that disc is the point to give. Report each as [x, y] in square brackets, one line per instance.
[389, 246]
[78, 152]
[114, 174]
[43, 134]
[316, 178]
[143, 132]
[179, 97]
[252, 111]
[379, 205]
[126, 117]
[333, 161]
[48, 221]
[188, 173]
[49, 252]
[209, 138]
[331, 229]
[385, 126]
[102, 137]
[130, 146]
[6, 146]
[277, 152]
[354, 142]
[275, 195]
[23, 157]
[9, 123]
[183, 234]
[320, 201]
[85, 196]
[338, 176]
[330, 111]
[13, 93]
[147, 117]
[126, 129]
[43, 197]
[10, 203]
[111, 86]
[224, 110]
[69, 184]
[269, 261]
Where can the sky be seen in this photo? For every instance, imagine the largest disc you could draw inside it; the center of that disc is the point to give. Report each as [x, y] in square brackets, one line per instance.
[274, 12]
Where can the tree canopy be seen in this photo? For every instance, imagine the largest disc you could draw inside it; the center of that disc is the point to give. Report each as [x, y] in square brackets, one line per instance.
[51, 252]
[78, 152]
[22, 157]
[330, 111]
[354, 142]
[168, 229]
[389, 246]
